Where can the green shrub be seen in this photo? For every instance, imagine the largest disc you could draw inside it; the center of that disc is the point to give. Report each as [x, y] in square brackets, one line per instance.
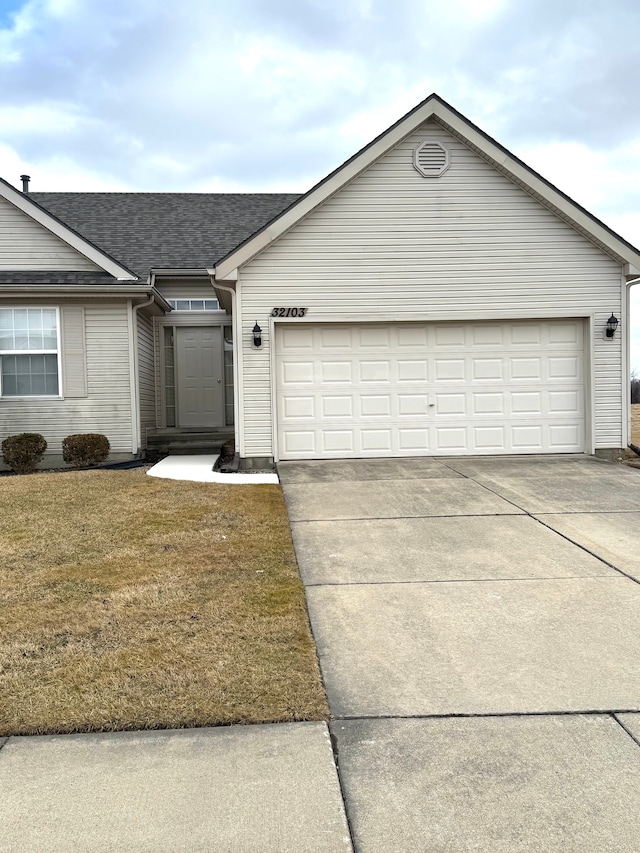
[23, 452]
[84, 449]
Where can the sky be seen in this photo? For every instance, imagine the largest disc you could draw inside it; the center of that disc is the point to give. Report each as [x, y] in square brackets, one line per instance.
[271, 95]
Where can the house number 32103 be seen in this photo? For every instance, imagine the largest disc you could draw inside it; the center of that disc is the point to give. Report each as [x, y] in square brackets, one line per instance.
[288, 312]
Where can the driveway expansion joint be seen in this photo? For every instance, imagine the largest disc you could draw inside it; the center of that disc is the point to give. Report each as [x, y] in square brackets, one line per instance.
[567, 538]
[604, 576]
[584, 548]
[491, 715]
[633, 737]
[350, 519]
[336, 760]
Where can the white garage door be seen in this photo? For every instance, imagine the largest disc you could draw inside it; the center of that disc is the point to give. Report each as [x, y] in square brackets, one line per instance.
[405, 389]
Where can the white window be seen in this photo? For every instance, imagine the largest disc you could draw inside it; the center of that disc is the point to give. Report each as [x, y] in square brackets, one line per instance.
[194, 304]
[29, 347]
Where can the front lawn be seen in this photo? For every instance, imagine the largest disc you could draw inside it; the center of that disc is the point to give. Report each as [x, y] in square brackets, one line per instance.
[130, 602]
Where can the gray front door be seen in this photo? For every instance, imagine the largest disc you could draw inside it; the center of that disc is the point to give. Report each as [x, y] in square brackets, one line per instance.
[200, 376]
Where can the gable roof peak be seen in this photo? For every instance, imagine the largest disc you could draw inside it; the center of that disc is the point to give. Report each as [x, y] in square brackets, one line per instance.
[434, 106]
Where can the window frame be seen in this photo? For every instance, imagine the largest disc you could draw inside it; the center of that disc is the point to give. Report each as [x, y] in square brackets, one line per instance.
[191, 300]
[57, 352]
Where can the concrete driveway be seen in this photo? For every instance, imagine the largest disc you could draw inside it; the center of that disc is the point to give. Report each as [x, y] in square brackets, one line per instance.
[478, 627]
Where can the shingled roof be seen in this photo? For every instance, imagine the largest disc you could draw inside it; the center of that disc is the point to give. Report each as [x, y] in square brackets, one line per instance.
[146, 231]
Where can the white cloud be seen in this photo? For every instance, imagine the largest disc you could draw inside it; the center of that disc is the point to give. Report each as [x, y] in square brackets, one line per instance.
[606, 183]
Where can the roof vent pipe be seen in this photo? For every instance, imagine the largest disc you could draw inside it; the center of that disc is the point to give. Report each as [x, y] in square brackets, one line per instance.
[25, 182]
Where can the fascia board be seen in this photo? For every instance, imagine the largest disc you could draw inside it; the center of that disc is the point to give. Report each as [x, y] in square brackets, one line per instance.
[33, 210]
[529, 179]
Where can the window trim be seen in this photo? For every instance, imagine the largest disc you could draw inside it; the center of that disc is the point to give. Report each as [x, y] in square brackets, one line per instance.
[191, 300]
[57, 353]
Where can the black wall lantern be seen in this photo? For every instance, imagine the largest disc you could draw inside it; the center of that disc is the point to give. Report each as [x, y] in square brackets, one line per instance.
[257, 335]
[612, 325]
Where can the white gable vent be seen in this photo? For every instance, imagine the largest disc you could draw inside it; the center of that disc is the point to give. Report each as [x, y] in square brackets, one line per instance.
[431, 159]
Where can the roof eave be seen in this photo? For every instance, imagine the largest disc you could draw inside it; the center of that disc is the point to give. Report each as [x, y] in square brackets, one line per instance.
[101, 291]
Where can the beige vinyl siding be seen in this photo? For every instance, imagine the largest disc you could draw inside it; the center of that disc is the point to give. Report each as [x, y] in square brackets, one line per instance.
[74, 360]
[146, 376]
[106, 408]
[394, 245]
[27, 245]
[190, 288]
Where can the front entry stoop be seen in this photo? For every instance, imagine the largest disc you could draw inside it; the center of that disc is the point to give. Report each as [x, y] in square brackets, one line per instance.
[186, 442]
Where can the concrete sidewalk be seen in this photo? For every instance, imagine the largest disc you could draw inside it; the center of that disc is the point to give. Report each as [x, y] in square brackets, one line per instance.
[259, 789]
[477, 626]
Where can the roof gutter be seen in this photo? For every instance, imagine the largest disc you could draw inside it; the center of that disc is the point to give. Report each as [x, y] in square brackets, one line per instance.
[88, 291]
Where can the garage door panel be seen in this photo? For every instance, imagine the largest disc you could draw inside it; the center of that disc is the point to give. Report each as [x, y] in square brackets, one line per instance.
[334, 406]
[335, 337]
[562, 436]
[487, 403]
[297, 442]
[412, 370]
[376, 441]
[564, 367]
[488, 336]
[487, 369]
[527, 437]
[298, 407]
[408, 336]
[490, 438]
[375, 371]
[449, 370]
[526, 402]
[565, 402]
[335, 371]
[297, 372]
[449, 439]
[565, 334]
[449, 337]
[422, 389]
[374, 337]
[528, 369]
[338, 441]
[526, 335]
[410, 405]
[413, 442]
[451, 404]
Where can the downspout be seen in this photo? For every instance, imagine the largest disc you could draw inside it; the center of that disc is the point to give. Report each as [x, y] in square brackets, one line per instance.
[236, 360]
[136, 431]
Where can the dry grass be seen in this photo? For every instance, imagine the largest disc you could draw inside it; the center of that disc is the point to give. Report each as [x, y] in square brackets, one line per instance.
[129, 602]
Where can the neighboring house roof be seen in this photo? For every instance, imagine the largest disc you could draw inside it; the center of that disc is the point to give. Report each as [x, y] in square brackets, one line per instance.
[434, 107]
[147, 231]
[65, 232]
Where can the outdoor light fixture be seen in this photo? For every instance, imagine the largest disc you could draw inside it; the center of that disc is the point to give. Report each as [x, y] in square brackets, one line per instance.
[612, 325]
[257, 335]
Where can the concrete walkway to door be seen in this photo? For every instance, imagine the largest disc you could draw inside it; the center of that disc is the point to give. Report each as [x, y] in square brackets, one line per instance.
[477, 623]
